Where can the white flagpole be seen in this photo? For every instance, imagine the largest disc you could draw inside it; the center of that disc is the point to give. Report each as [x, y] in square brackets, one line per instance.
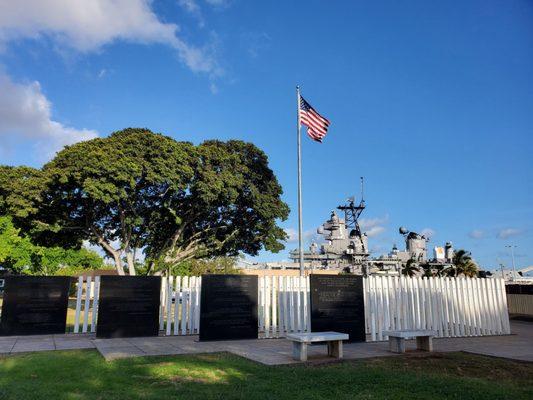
[300, 223]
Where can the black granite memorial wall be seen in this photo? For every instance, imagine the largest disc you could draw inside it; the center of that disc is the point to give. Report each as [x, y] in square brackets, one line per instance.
[337, 304]
[34, 305]
[128, 306]
[228, 307]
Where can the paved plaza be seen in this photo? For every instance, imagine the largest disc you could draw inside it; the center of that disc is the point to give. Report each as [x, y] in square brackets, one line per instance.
[518, 346]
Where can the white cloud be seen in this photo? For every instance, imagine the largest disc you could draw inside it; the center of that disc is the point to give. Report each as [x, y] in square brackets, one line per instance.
[366, 223]
[218, 3]
[256, 42]
[25, 112]
[192, 7]
[213, 88]
[509, 232]
[476, 234]
[292, 234]
[373, 226]
[375, 231]
[377, 249]
[87, 26]
[428, 232]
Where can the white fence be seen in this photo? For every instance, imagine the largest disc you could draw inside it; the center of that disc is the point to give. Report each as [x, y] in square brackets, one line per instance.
[87, 293]
[283, 305]
[453, 307]
[179, 311]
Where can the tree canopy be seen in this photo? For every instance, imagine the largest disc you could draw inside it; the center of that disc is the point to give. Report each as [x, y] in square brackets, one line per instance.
[463, 264]
[231, 206]
[139, 191]
[19, 255]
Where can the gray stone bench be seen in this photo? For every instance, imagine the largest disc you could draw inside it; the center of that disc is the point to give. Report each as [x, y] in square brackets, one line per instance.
[424, 339]
[301, 340]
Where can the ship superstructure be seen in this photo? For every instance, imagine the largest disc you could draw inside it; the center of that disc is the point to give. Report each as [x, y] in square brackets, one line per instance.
[345, 247]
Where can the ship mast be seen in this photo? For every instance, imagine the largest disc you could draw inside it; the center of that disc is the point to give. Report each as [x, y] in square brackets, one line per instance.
[352, 213]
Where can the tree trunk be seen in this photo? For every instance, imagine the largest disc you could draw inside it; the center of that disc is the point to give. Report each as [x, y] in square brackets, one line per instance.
[131, 262]
[109, 250]
[118, 263]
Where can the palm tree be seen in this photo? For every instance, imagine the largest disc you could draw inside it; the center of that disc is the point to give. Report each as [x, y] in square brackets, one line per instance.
[428, 271]
[449, 271]
[440, 271]
[471, 270]
[410, 268]
[464, 264]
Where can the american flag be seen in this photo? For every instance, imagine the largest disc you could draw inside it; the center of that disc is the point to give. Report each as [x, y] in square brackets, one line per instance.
[317, 125]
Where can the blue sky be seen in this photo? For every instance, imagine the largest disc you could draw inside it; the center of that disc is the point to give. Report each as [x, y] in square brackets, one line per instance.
[432, 102]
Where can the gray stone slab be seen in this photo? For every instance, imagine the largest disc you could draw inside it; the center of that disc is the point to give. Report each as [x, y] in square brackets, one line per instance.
[40, 338]
[119, 342]
[267, 351]
[24, 346]
[143, 341]
[410, 333]
[75, 336]
[310, 337]
[5, 348]
[74, 344]
[7, 341]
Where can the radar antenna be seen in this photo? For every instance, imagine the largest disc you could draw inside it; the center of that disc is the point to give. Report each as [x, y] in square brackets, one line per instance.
[352, 213]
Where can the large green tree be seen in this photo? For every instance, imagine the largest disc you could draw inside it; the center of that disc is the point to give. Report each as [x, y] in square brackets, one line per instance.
[231, 206]
[19, 255]
[110, 190]
[15, 250]
[139, 191]
[20, 190]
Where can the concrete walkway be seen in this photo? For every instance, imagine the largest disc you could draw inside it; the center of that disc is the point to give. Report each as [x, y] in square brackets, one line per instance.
[517, 346]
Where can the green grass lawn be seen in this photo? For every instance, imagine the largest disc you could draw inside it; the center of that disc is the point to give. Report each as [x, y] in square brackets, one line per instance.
[85, 375]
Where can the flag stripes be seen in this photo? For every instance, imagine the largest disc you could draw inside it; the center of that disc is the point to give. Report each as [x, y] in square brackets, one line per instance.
[317, 125]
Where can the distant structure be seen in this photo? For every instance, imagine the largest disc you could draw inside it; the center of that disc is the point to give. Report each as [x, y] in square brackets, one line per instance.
[416, 250]
[522, 276]
[345, 248]
[345, 244]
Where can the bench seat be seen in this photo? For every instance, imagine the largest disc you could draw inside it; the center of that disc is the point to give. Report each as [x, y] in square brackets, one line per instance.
[301, 340]
[424, 339]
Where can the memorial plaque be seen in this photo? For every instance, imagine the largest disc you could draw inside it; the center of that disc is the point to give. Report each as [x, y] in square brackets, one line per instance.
[128, 306]
[34, 305]
[228, 308]
[337, 304]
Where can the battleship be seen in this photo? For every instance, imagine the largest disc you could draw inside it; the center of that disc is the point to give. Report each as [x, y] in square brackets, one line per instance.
[345, 248]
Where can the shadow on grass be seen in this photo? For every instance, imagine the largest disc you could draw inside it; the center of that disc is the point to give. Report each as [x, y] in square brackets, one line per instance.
[86, 375]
